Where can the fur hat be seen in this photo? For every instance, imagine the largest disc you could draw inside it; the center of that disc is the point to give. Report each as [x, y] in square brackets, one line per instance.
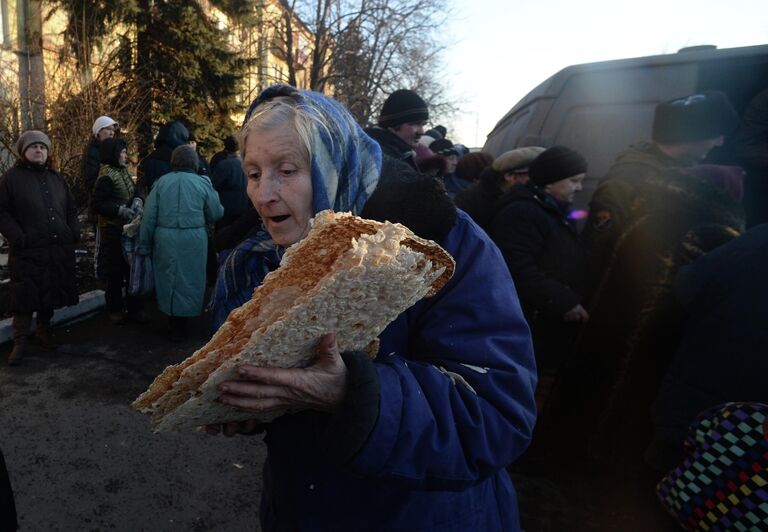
[32, 137]
[517, 160]
[471, 165]
[101, 123]
[401, 107]
[693, 118]
[184, 157]
[555, 164]
[109, 151]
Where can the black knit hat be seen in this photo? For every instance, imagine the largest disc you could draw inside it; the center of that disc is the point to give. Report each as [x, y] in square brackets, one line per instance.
[109, 151]
[443, 147]
[555, 164]
[437, 132]
[693, 118]
[401, 107]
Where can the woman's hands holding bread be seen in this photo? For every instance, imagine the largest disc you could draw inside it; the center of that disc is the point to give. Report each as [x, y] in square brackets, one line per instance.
[320, 386]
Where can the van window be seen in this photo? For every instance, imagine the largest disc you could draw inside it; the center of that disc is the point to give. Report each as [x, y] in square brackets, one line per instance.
[601, 131]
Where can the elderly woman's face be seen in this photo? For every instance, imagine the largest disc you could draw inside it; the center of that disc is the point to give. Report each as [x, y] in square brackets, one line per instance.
[279, 182]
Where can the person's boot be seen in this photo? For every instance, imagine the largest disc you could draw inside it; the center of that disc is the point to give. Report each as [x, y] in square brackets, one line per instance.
[43, 334]
[19, 345]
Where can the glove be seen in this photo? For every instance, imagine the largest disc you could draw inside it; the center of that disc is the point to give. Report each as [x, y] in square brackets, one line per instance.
[125, 213]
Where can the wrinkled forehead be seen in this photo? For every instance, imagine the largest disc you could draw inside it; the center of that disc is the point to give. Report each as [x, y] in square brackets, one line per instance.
[278, 119]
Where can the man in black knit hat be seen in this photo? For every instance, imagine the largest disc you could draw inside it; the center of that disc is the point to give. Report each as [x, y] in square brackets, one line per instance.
[684, 132]
[401, 124]
[653, 213]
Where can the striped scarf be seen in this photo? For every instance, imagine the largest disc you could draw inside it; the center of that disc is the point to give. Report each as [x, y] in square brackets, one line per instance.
[345, 167]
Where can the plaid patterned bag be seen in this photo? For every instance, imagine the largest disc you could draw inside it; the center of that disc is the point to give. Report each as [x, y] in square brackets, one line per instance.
[722, 483]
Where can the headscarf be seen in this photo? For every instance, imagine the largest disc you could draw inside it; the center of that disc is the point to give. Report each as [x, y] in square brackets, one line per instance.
[345, 162]
[345, 165]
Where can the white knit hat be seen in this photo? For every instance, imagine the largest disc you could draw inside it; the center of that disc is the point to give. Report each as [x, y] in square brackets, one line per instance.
[101, 123]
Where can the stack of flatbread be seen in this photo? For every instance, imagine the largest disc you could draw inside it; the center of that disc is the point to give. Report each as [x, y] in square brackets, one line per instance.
[349, 276]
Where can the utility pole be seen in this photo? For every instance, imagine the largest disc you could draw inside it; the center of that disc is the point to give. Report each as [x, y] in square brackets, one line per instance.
[31, 68]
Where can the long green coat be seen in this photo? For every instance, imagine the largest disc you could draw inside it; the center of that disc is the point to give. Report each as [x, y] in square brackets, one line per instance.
[174, 232]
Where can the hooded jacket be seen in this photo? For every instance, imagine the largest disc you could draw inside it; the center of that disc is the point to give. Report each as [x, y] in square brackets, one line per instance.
[158, 163]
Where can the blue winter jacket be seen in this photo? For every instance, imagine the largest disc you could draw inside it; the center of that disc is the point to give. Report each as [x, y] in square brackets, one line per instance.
[457, 377]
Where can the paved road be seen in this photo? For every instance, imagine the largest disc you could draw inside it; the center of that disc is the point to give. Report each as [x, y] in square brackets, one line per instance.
[81, 460]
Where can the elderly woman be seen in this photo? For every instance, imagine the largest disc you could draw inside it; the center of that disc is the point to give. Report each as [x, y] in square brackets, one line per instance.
[39, 218]
[539, 241]
[420, 437]
[174, 231]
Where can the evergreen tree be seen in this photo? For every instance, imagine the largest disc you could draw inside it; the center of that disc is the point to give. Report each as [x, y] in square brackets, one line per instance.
[172, 54]
[185, 63]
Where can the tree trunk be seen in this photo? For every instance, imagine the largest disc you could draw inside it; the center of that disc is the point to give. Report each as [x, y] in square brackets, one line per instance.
[31, 68]
[142, 75]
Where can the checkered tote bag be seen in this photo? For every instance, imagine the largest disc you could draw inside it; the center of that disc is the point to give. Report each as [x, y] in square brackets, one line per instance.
[722, 483]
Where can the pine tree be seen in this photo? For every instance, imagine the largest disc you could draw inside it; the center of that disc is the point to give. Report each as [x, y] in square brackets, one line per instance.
[185, 62]
[173, 54]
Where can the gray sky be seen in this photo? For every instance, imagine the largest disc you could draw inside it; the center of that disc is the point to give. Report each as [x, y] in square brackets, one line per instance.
[498, 50]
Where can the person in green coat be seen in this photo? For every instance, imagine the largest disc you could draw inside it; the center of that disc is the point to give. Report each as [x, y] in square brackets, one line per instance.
[174, 232]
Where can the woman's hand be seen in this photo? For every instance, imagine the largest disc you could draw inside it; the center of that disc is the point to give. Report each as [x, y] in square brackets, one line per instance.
[321, 386]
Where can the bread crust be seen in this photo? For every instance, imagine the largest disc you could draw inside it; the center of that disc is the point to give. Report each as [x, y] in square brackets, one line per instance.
[349, 276]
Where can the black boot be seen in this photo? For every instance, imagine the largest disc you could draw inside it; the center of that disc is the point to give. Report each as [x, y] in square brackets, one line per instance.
[19, 345]
[45, 338]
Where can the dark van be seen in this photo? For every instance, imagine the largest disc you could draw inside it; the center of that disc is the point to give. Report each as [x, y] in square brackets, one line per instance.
[599, 109]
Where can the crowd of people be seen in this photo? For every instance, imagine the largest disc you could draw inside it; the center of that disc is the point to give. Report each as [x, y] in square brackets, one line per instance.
[617, 335]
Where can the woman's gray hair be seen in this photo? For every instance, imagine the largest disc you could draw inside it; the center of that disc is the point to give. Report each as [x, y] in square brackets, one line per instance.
[302, 117]
[184, 157]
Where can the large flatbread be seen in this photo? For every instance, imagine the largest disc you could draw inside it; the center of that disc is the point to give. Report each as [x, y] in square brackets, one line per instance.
[349, 276]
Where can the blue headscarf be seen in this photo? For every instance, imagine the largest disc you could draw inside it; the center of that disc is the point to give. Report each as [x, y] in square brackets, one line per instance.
[345, 165]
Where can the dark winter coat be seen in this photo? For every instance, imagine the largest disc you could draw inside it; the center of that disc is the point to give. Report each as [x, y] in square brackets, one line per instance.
[750, 150]
[722, 357]
[542, 250]
[246, 226]
[230, 181]
[611, 207]
[158, 163]
[393, 146]
[479, 201]
[635, 323]
[202, 166]
[38, 216]
[90, 166]
[216, 159]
